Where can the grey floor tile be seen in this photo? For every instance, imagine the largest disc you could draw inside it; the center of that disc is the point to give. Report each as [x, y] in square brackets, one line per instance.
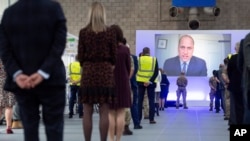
[194, 124]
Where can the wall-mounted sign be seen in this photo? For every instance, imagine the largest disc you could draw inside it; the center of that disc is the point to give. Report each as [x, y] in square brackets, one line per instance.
[194, 3]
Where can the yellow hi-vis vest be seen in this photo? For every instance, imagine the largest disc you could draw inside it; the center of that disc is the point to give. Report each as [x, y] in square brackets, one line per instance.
[146, 68]
[75, 71]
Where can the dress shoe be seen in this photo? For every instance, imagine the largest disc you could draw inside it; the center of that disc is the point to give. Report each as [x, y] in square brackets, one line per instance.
[138, 127]
[17, 124]
[152, 122]
[70, 116]
[9, 131]
[127, 131]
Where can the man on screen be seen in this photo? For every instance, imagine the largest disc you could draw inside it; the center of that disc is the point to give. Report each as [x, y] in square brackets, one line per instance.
[185, 61]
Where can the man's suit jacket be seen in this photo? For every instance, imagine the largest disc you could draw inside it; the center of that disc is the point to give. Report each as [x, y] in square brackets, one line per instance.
[234, 74]
[32, 41]
[196, 67]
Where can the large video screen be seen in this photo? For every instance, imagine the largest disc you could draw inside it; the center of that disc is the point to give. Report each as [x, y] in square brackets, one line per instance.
[202, 52]
[208, 52]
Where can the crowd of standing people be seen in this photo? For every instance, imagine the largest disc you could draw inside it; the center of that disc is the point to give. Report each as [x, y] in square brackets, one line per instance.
[229, 86]
[33, 75]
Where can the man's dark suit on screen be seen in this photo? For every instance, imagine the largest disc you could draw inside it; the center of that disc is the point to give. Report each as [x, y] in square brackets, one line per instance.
[32, 40]
[196, 67]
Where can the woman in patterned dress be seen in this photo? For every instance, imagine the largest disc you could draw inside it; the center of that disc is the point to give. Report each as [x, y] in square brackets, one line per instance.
[7, 100]
[96, 54]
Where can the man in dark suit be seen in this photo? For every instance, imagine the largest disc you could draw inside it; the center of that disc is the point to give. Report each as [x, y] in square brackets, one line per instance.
[234, 86]
[32, 40]
[244, 67]
[185, 61]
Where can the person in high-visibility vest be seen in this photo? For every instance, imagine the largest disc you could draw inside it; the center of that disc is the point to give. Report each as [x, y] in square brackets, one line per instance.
[146, 79]
[74, 80]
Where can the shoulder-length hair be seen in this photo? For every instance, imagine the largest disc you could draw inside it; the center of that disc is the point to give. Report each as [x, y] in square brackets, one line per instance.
[119, 33]
[97, 17]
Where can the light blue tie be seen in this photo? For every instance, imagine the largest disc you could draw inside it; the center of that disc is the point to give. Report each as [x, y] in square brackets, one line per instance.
[184, 67]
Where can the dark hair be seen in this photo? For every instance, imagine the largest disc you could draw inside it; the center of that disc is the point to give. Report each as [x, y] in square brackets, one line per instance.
[140, 54]
[226, 60]
[182, 73]
[118, 32]
[146, 50]
[124, 41]
[215, 73]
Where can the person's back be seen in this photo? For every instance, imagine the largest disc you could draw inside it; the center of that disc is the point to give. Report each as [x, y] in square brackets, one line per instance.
[32, 40]
[181, 82]
[74, 83]
[213, 87]
[164, 89]
[133, 78]
[32, 26]
[236, 91]
[97, 55]
[244, 66]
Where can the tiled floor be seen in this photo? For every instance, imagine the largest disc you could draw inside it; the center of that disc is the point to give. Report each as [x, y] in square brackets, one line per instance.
[193, 124]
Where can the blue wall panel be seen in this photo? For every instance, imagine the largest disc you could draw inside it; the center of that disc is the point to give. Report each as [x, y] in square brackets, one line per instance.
[194, 3]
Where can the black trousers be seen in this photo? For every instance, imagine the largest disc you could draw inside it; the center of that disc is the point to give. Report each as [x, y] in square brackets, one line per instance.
[51, 101]
[218, 101]
[151, 99]
[73, 100]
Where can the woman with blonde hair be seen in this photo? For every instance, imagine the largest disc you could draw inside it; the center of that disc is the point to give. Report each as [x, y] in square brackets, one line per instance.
[97, 55]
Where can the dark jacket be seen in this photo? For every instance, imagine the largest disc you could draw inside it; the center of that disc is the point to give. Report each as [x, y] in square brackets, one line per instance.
[234, 75]
[196, 67]
[133, 78]
[33, 37]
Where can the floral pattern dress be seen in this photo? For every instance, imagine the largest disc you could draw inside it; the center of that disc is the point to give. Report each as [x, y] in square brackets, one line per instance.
[97, 55]
[7, 99]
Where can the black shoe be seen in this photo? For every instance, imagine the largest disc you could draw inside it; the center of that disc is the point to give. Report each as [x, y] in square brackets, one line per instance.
[80, 116]
[127, 131]
[217, 111]
[226, 118]
[177, 107]
[152, 122]
[185, 107]
[211, 109]
[138, 127]
[70, 116]
[146, 117]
